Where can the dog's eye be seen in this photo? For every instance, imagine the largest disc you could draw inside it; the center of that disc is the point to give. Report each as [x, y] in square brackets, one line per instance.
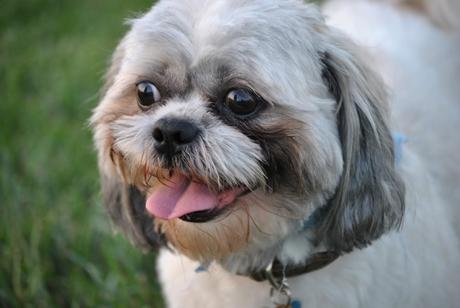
[241, 102]
[147, 94]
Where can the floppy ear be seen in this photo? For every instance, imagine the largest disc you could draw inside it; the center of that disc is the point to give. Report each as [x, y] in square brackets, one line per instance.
[124, 203]
[126, 207]
[369, 200]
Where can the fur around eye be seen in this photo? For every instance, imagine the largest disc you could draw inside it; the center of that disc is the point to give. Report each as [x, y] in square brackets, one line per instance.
[147, 94]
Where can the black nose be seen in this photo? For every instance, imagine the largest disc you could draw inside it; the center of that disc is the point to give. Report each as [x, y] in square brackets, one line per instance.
[171, 134]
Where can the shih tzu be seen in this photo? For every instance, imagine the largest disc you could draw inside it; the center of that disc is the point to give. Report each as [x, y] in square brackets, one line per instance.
[252, 143]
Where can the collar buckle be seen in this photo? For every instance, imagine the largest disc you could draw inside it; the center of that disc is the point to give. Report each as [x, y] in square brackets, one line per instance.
[280, 293]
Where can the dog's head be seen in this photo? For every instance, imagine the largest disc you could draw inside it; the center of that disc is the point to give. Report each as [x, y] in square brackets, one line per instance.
[225, 124]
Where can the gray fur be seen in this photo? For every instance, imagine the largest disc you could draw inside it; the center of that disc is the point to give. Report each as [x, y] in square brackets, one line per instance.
[369, 200]
[302, 147]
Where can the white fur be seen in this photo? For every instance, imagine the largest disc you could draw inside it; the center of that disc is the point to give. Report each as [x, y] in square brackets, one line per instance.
[235, 161]
[442, 12]
[418, 266]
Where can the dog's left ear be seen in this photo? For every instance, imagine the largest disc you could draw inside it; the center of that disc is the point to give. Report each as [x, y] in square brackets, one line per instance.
[369, 200]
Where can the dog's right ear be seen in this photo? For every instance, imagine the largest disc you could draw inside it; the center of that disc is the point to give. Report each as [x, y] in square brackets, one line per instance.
[124, 203]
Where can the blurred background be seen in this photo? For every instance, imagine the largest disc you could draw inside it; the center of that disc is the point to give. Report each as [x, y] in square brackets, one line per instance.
[56, 245]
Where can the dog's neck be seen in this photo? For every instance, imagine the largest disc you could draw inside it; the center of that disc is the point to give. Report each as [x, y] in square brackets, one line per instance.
[297, 254]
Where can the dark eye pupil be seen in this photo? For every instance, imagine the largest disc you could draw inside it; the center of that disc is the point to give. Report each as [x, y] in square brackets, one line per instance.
[241, 102]
[147, 94]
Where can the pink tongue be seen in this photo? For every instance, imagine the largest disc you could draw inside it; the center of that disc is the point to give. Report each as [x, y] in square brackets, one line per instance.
[179, 196]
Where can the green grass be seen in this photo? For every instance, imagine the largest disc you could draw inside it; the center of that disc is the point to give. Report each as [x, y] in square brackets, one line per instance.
[56, 245]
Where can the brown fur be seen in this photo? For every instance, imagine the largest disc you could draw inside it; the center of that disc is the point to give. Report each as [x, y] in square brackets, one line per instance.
[234, 230]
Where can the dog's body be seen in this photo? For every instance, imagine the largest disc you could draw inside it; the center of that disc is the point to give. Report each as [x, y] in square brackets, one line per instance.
[382, 265]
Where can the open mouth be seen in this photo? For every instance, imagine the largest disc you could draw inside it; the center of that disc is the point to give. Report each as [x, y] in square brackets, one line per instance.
[202, 216]
[189, 200]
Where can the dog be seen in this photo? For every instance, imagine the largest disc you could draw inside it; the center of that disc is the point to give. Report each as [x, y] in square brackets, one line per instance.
[276, 161]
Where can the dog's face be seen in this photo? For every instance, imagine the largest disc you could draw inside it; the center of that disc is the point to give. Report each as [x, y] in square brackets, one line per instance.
[225, 124]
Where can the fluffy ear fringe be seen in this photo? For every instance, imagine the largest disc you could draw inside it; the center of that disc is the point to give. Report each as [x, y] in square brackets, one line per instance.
[125, 205]
[369, 200]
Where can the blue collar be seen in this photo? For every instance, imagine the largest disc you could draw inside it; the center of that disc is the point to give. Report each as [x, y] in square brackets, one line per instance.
[399, 140]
